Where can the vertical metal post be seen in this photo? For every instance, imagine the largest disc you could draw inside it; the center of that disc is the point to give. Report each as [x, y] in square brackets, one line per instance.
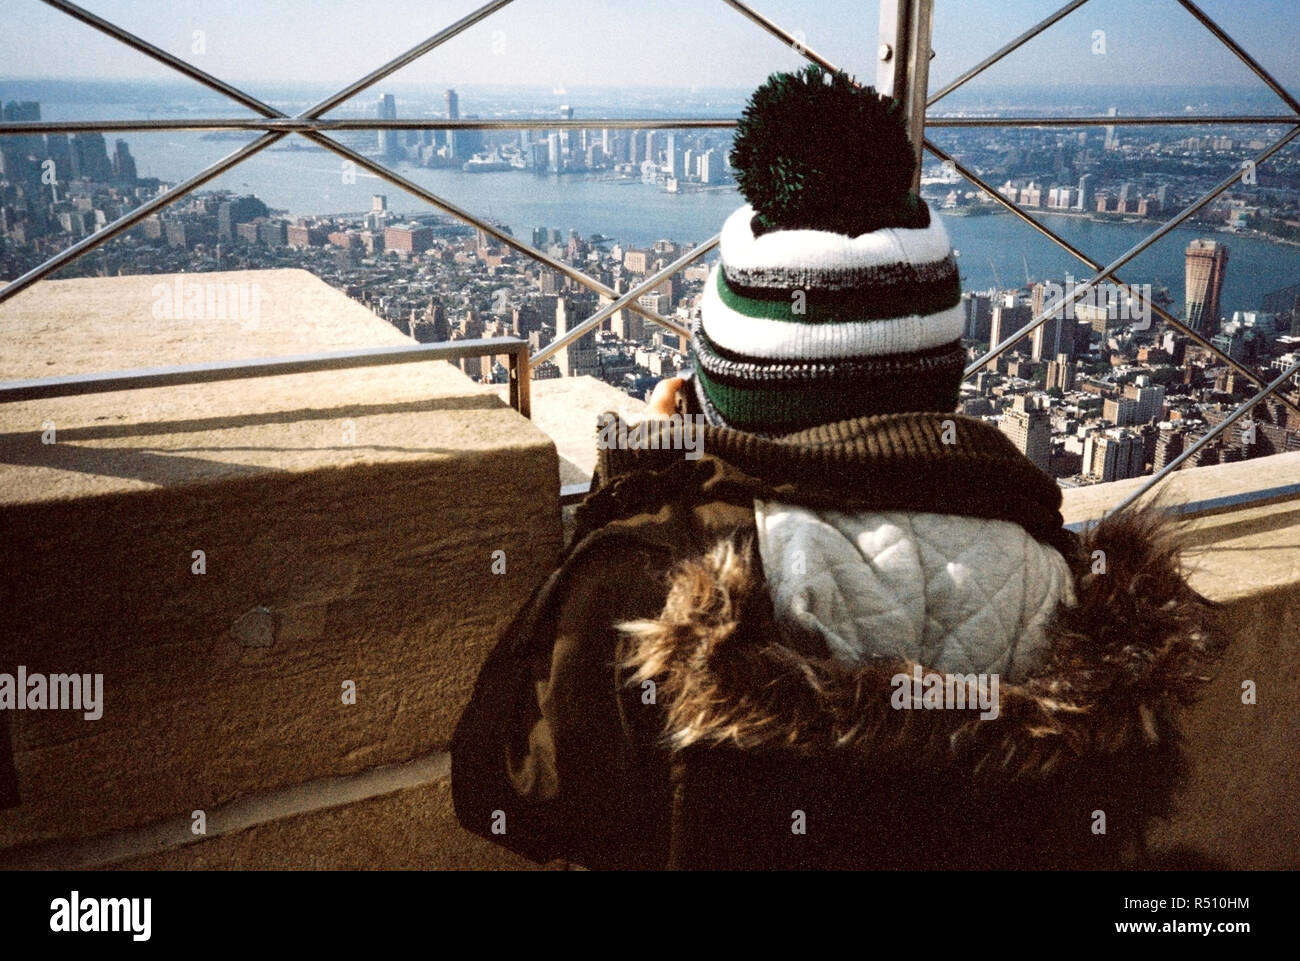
[521, 380]
[903, 64]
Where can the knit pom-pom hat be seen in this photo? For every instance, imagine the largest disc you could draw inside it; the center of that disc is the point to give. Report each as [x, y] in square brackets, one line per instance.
[837, 295]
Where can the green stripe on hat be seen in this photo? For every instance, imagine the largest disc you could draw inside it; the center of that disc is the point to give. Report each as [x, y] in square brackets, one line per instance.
[866, 303]
[765, 406]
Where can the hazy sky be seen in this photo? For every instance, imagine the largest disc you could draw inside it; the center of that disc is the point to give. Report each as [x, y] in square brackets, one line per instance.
[265, 43]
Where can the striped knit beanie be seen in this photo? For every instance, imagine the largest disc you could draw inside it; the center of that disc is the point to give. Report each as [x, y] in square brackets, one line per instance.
[837, 295]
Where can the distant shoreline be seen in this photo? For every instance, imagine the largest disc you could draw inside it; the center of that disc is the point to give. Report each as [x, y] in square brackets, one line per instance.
[1090, 216]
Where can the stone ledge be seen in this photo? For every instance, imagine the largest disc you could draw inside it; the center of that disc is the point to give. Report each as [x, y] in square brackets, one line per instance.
[371, 551]
[1243, 779]
[566, 410]
[413, 828]
[1237, 552]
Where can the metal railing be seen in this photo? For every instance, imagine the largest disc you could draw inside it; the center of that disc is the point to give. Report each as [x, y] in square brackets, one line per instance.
[899, 22]
[903, 65]
[72, 385]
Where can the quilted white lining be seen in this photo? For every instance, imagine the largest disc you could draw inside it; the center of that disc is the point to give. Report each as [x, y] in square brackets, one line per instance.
[958, 594]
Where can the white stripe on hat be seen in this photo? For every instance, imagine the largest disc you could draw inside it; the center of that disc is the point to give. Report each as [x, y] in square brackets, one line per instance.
[816, 250]
[762, 338]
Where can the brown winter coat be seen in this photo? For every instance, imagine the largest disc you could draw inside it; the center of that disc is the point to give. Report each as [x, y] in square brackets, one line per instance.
[644, 712]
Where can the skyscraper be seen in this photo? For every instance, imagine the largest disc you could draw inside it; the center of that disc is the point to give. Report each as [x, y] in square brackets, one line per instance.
[453, 113]
[580, 357]
[387, 110]
[90, 157]
[1061, 373]
[555, 155]
[1085, 201]
[1207, 261]
[673, 157]
[1054, 335]
[566, 134]
[979, 317]
[1029, 428]
[1116, 454]
[1006, 320]
[123, 163]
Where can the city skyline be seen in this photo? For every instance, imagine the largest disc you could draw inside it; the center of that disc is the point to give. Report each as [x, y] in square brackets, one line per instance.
[682, 44]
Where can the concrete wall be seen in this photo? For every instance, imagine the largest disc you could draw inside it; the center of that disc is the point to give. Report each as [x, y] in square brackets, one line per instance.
[1242, 802]
[348, 523]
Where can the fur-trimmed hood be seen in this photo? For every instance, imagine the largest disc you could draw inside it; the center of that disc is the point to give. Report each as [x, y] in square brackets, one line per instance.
[1135, 647]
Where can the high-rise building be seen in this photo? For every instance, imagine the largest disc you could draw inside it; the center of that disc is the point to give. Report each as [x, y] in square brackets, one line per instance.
[1285, 303]
[710, 166]
[1113, 455]
[1207, 262]
[15, 150]
[626, 324]
[1149, 400]
[1169, 444]
[673, 157]
[238, 210]
[90, 157]
[1006, 320]
[452, 104]
[554, 155]
[979, 317]
[1056, 334]
[408, 239]
[1085, 192]
[580, 357]
[1028, 426]
[566, 134]
[387, 110]
[1061, 373]
[123, 164]
[1120, 411]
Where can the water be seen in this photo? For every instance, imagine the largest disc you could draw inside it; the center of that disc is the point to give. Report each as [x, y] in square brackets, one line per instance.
[310, 181]
[1255, 266]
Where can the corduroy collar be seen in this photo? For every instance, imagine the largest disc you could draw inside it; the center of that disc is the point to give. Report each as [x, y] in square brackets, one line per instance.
[929, 462]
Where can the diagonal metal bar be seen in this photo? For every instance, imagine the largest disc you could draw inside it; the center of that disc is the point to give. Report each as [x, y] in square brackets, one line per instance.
[1223, 425]
[162, 56]
[1173, 120]
[1136, 249]
[397, 180]
[1060, 241]
[784, 36]
[1226, 39]
[990, 60]
[1095, 264]
[401, 60]
[126, 221]
[625, 300]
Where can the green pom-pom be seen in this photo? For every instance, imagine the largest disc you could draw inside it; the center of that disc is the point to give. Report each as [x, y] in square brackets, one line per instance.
[815, 151]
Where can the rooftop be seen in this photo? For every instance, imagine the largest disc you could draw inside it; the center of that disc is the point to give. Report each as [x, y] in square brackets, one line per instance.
[351, 524]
